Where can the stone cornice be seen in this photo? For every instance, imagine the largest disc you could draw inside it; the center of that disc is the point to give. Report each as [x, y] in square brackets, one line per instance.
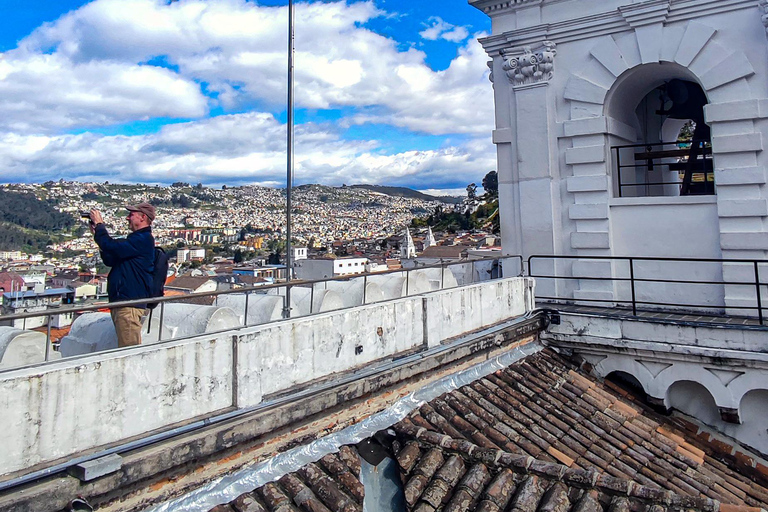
[490, 7]
[646, 13]
[608, 22]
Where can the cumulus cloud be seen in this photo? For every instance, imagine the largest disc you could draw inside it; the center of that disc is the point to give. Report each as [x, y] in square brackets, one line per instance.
[439, 29]
[112, 62]
[239, 148]
[238, 49]
[44, 92]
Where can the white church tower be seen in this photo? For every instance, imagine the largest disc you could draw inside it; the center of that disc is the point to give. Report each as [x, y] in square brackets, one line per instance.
[429, 241]
[407, 249]
[591, 98]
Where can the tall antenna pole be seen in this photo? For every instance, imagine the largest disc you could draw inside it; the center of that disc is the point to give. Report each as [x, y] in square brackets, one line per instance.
[289, 180]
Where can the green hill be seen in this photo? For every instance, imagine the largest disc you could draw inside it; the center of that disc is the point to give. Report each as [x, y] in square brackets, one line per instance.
[27, 221]
[408, 192]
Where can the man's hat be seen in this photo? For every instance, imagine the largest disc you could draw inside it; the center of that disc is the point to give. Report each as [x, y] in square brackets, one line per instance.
[145, 208]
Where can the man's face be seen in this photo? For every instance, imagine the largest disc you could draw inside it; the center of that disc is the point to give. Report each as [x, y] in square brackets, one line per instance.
[135, 220]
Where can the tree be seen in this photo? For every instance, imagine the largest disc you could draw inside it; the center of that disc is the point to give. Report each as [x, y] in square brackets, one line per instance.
[239, 256]
[491, 185]
[471, 192]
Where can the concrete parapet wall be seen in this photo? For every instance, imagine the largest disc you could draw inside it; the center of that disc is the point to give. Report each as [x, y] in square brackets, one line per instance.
[452, 312]
[72, 405]
[61, 409]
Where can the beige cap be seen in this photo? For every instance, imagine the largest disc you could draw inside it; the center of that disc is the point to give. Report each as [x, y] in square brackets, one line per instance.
[145, 208]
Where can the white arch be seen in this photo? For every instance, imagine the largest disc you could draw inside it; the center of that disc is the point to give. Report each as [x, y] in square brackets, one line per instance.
[721, 72]
[657, 385]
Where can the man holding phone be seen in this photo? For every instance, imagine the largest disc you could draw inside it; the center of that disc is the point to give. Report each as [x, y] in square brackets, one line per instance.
[132, 262]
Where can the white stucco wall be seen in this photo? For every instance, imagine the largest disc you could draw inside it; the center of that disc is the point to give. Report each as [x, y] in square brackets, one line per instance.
[653, 227]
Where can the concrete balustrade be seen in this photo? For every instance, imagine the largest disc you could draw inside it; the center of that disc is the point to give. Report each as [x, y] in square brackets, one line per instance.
[60, 409]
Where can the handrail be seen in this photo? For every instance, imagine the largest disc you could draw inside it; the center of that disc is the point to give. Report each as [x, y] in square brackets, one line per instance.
[652, 161]
[247, 290]
[633, 280]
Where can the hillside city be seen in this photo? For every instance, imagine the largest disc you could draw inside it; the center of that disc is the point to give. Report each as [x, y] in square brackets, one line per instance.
[219, 239]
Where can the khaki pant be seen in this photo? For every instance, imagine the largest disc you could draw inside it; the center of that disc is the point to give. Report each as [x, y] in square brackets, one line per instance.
[128, 323]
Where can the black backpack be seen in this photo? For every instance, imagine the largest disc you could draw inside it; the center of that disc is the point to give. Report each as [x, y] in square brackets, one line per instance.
[159, 275]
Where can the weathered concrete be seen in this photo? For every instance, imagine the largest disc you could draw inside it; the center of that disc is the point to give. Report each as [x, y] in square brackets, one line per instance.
[63, 408]
[73, 405]
[718, 375]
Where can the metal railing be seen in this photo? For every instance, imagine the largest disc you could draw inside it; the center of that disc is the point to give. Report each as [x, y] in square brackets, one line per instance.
[634, 281]
[496, 270]
[693, 165]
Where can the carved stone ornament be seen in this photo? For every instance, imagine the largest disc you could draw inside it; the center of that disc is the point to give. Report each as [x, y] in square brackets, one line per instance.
[490, 66]
[530, 67]
[764, 9]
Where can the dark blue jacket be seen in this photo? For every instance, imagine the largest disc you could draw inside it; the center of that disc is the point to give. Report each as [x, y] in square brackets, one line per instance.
[132, 260]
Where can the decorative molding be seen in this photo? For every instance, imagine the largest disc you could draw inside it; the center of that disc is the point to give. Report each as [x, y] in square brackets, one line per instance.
[653, 367]
[646, 13]
[491, 6]
[530, 67]
[764, 8]
[490, 66]
[725, 376]
[606, 23]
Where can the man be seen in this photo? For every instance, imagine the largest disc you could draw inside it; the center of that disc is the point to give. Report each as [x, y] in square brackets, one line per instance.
[132, 261]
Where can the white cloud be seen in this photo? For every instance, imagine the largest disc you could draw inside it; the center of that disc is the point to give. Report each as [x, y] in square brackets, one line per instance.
[244, 148]
[439, 29]
[112, 62]
[239, 50]
[43, 92]
[438, 192]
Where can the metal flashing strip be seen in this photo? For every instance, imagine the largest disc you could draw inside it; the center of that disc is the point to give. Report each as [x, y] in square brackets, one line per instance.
[229, 487]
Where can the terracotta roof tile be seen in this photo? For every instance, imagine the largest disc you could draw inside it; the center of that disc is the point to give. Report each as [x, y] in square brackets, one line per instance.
[545, 409]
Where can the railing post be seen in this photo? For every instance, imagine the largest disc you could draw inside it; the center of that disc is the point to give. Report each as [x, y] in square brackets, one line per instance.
[442, 274]
[160, 327]
[757, 289]
[407, 282]
[311, 297]
[632, 285]
[286, 304]
[365, 285]
[245, 313]
[618, 168]
[48, 340]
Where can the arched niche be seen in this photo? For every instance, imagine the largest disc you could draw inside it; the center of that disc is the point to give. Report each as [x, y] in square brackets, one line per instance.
[657, 100]
[628, 382]
[752, 415]
[694, 400]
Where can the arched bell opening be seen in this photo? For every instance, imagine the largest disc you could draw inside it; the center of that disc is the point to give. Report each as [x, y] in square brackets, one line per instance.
[671, 154]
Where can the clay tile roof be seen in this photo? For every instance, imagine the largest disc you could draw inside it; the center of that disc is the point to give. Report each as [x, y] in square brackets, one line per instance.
[538, 436]
[331, 484]
[563, 438]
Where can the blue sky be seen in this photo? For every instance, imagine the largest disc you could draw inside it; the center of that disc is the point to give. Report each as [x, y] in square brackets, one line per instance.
[392, 92]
